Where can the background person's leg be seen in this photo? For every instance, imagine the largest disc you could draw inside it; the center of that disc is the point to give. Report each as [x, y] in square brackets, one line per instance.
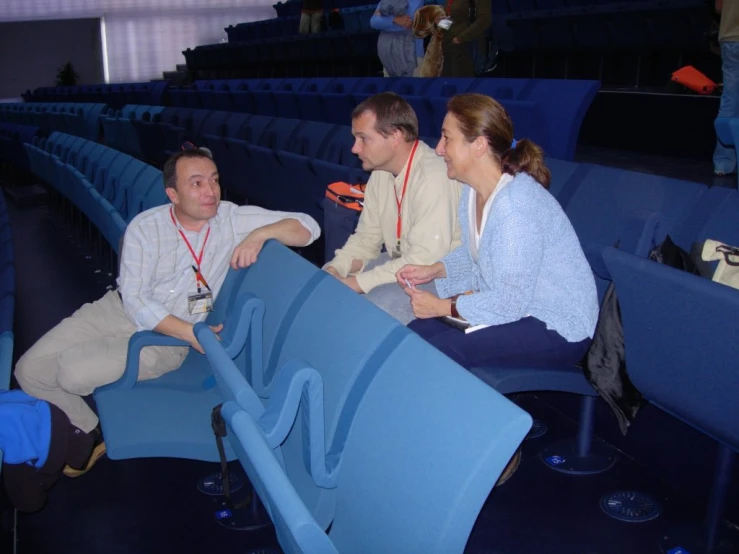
[724, 157]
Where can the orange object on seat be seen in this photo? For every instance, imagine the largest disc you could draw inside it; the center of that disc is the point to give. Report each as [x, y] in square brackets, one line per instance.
[693, 79]
[349, 196]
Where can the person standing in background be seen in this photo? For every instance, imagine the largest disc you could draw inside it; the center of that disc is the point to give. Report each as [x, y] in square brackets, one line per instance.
[397, 24]
[311, 17]
[724, 157]
[464, 36]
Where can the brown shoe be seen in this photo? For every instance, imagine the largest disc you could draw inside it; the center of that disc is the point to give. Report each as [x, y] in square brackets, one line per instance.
[510, 469]
[97, 453]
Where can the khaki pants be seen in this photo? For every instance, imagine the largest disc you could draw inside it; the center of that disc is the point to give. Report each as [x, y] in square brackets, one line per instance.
[86, 351]
[310, 23]
[390, 297]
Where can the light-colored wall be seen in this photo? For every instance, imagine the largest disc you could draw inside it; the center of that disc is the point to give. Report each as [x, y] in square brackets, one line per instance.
[142, 38]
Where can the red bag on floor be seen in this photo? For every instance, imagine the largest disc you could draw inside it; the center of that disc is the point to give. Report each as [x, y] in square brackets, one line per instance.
[693, 79]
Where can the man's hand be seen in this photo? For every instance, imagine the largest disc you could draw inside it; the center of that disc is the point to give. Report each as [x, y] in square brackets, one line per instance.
[248, 249]
[173, 326]
[404, 21]
[455, 40]
[427, 305]
[194, 341]
[351, 282]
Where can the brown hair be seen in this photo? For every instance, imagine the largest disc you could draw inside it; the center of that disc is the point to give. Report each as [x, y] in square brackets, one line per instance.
[481, 116]
[169, 171]
[392, 113]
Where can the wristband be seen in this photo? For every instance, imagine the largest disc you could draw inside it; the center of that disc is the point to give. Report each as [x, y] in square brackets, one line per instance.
[455, 313]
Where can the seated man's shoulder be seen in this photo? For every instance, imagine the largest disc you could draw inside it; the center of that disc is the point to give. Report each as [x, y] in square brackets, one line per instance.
[148, 216]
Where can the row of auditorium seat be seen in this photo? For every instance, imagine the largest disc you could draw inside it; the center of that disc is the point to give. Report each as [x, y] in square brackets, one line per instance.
[358, 50]
[80, 119]
[7, 295]
[114, 95]
[109, 187]
[654, 25]
[635, 211]
[259, 157]
[355, 19]
[549, 112]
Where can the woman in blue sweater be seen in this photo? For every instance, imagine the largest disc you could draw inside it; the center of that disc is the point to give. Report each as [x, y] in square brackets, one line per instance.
[520, 273]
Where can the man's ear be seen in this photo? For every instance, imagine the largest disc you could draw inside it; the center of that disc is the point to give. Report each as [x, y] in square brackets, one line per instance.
[172, 195]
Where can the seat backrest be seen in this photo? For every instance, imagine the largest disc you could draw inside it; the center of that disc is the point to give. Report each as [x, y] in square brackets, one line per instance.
[680, 334]
[713, 216]
[282, 280]
[414, 470]
[309, 138]
[254, 128]
[346, 354]
[278, 133]
[416, 449]
[607, 199]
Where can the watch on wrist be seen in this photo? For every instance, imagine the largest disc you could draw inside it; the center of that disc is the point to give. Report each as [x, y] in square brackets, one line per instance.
[455, 313]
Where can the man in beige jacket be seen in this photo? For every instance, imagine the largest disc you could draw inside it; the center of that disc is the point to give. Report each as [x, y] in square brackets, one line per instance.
[410, 205]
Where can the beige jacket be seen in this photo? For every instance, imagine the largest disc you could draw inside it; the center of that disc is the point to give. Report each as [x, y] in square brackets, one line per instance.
[430, 228]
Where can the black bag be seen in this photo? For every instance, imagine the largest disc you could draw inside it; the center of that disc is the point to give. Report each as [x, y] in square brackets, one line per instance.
[484, 50]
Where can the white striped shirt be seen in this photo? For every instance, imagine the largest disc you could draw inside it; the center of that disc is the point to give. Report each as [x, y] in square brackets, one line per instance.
[156, 275]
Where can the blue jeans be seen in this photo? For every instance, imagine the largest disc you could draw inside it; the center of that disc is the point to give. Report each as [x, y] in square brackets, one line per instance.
[724, 157]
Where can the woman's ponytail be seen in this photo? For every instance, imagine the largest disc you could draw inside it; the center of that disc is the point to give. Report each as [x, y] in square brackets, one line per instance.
[525, 156]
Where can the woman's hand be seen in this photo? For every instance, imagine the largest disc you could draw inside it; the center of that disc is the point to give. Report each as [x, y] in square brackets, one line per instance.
[404, 21]
[427, 305]
[419, 274]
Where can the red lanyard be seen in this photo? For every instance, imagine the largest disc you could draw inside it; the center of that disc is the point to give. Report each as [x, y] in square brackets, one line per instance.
[196, 268]
[399, 201]
[449, 7]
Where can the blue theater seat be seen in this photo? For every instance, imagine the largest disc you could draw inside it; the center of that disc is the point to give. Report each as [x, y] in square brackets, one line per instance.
[384, 500]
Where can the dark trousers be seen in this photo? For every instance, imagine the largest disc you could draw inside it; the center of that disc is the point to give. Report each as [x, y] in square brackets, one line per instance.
[458, 60]
[523, 343]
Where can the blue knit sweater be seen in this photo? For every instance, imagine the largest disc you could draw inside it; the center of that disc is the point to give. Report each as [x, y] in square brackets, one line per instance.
[530, 263]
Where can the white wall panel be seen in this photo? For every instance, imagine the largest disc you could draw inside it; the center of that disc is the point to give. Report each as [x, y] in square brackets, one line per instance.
[143, 38]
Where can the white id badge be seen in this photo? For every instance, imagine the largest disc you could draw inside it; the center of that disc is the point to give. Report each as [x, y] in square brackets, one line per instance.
[445, 24]
[200, 303]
